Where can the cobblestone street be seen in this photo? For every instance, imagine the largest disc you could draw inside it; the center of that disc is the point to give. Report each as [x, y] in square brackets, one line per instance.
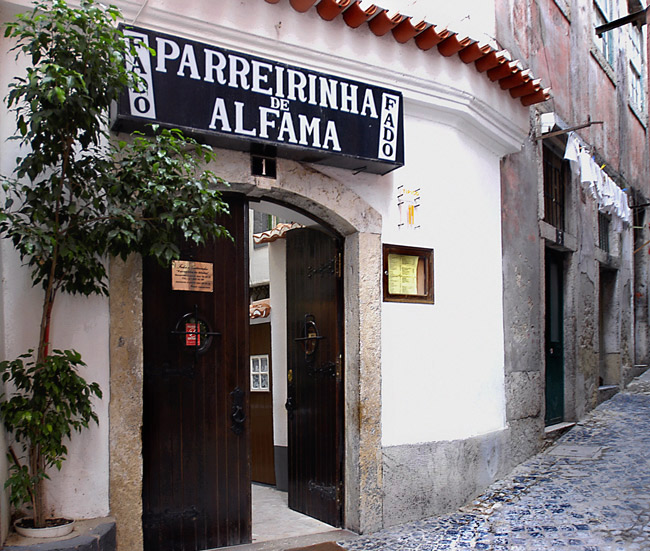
[590, 491]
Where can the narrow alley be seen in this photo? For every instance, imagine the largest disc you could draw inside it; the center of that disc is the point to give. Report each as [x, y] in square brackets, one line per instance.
[589, 491]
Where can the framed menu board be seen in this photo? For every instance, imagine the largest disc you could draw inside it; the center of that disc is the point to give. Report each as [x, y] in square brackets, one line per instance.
[407, 274]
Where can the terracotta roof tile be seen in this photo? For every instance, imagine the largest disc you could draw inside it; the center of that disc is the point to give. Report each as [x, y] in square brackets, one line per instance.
[514, 80]
[536, 97]
[497, 63]
[530, 87]
[355, 15]
[452, 45]
[330, 9]
[473, 52]
[490, 60]
[383, 22]
[260, 309]
[302, 5]
[278, 232]
[407, 30]
[431, 37]
[503, 70]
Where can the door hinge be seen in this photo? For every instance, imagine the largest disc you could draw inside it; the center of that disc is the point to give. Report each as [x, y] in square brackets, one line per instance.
[339, 494]
[338, 265]
[339, 368]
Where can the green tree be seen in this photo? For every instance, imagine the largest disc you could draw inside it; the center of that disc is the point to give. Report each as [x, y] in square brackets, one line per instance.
[77, 197]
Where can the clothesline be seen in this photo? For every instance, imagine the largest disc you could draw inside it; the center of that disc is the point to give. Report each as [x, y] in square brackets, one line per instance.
[611, 199]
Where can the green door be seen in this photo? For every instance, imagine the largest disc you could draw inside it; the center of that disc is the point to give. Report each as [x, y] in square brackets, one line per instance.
[554, 337]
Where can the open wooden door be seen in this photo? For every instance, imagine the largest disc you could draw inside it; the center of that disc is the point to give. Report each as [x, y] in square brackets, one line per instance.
[196, 483]
[261, 405]
[314, 375]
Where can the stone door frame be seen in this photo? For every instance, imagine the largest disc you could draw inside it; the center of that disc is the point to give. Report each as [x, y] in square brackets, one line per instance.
[360, 224]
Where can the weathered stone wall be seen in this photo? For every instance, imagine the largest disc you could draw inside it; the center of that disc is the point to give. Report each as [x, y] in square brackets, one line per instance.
[126, 400]
[556, 39]
[422, 480]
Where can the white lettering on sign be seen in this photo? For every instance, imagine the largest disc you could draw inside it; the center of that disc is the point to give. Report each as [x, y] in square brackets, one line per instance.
[246, 97]
[276, 123]
[389, 127]
[263, 78]
[142, 98]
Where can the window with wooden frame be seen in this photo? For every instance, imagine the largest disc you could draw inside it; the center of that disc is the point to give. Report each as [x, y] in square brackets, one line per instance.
[556, 183]
[603, 231]
[260, 381]
[604, 13]
[636, 89]
[408, 274]
[636, 55]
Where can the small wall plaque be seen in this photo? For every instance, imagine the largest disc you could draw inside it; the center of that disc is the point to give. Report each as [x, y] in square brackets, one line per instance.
[192, 276]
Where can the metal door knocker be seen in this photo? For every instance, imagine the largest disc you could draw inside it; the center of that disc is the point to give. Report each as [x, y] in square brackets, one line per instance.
[238, 415]
[194, 333]
[310, 336]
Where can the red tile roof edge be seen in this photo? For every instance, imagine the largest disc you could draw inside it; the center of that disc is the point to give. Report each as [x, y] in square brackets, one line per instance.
[260, 309]
[278, 232]
[499, 67]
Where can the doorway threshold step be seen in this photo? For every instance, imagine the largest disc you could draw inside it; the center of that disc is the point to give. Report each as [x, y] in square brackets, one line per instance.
[292, 543]
[606, 392]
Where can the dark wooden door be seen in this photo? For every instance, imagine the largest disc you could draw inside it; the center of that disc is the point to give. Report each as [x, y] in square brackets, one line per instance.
[196, 482]
[314, 374]
[262, 450]
[554, 337]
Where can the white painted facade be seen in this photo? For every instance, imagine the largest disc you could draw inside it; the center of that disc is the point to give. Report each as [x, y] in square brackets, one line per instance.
[442, 365]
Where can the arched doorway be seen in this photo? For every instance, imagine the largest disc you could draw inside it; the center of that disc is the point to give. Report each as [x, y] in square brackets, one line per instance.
[200, 380]
[360, 227]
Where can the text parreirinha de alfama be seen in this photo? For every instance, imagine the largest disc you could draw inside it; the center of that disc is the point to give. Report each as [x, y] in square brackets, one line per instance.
[283, 85]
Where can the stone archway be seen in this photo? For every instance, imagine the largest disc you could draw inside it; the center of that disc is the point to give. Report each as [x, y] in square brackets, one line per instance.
[302, 187]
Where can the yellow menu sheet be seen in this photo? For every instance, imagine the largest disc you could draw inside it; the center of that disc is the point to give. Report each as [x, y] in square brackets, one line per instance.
[402, 274]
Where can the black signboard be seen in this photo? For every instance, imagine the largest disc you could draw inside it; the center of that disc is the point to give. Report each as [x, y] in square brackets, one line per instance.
[233, 100]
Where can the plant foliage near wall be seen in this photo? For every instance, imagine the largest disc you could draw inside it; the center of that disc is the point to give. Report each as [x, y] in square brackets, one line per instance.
[76, 197]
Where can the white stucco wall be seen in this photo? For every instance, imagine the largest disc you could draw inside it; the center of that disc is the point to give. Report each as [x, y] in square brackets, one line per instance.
[442, 372]
[81, 488]
[475, 19]
[278, 292]
[259, 260]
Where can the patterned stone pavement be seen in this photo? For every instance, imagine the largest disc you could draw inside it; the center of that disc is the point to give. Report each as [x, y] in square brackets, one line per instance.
[590, 491]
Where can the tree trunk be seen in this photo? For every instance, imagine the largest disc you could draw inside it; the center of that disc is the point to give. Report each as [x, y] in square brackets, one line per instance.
[36, 465]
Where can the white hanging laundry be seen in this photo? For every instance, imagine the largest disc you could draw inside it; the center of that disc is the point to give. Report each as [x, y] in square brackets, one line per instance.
[627, 211]
[588, 177]
[608, 194]
[572, 150]
[623, 210]
[586, 172]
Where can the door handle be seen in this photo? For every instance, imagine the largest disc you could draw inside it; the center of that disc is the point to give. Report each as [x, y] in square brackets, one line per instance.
[238, 414]
[289, 406]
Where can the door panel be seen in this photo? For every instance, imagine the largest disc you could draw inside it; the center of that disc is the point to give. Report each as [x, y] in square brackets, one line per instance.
[314, 376]
[554, 337]
[262, 450]
[196, 482]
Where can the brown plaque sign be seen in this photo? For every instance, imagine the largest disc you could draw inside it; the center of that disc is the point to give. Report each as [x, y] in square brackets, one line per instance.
[192, 276]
